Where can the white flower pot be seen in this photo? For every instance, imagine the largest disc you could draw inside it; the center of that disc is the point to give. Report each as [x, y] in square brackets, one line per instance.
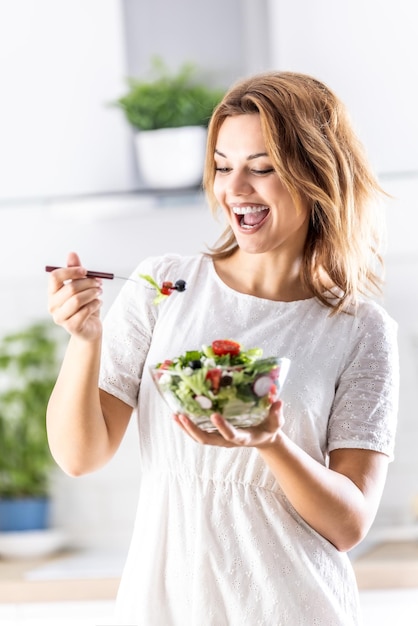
[171, 158]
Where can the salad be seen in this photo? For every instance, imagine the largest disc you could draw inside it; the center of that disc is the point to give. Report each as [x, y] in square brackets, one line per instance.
[166, 288]
[221, 378]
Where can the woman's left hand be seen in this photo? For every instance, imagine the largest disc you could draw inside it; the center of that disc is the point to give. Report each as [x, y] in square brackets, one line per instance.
[228, 436]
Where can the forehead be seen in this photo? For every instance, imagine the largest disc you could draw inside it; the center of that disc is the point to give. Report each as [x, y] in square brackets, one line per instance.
[240, 134]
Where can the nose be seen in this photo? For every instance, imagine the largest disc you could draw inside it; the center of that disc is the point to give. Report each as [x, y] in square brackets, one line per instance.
[238, 184]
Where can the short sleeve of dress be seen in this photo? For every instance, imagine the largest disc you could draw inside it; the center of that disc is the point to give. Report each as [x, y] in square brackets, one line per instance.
[364, 411]
[127, 331]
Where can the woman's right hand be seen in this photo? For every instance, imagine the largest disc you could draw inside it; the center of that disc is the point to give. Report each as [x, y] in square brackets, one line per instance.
[74, 300]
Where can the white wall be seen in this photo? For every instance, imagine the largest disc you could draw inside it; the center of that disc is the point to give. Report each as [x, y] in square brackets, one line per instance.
[401, 300]
[210, 34]
[61, 63]
[366, 50]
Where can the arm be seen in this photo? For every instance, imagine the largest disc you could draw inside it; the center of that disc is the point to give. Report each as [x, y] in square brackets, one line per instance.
[339, 501]
[85, 425]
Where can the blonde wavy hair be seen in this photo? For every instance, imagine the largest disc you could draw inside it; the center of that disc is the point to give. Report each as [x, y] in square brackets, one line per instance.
[319, 158]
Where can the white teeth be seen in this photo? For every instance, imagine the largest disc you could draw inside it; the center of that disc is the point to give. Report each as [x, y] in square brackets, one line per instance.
[242, 210]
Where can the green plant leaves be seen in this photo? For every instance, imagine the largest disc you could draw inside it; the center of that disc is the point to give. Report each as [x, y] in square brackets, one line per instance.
[29, 362]
[170, 100]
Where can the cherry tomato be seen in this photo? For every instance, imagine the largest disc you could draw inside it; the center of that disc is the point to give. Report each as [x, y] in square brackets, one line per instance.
[165, 364]
[221, 347]
[214, 376]
[273, 394]
[167, 288]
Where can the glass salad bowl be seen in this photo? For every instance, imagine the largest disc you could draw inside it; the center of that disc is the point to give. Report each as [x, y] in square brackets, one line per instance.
[238, 384]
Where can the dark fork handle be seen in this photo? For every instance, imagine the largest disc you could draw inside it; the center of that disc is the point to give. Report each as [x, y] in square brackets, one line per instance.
[89, 274]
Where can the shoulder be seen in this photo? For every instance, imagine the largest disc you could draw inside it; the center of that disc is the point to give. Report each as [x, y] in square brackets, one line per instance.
[366, 329]
[374, 335]
[371, 316]
[364, 316]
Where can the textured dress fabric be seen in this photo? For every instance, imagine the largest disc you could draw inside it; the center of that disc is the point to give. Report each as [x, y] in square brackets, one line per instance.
[216, 542]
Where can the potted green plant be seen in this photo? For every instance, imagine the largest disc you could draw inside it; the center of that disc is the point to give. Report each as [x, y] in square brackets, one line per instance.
[29, 361]
[170, 113]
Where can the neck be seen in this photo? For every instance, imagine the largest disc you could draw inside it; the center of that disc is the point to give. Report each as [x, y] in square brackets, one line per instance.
[263, 275]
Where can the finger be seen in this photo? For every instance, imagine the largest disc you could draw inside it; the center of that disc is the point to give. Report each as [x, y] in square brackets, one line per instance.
[74, 290]
[275, 418]
[67, 302]
[76, 323]
[62, 275]
[236, 436]
[190, 428]
[199, 435]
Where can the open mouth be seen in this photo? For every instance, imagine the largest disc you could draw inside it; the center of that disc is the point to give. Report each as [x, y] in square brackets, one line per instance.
[251, 216]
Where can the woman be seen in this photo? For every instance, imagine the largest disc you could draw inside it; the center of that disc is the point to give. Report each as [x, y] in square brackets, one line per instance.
[248, 526]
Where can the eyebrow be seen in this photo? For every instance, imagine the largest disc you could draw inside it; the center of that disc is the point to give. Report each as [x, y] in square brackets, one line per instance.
[249, 157]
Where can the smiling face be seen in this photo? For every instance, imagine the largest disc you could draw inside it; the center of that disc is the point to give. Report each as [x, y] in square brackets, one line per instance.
[259, 209]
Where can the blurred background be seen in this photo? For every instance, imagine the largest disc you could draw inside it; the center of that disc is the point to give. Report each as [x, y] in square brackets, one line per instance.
[69, 179]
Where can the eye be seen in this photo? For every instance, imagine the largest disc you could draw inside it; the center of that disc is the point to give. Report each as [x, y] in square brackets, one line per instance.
[264, 172]
[222, 170]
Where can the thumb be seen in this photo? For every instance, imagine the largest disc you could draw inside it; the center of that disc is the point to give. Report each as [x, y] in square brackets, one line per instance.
[73, 260]
[276, 417]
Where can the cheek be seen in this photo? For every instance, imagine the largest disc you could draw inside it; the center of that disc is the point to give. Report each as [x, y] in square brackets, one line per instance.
[218, 189]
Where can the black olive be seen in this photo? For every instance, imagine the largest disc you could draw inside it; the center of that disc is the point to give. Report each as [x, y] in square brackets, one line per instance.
[226, 380]
[180, 285]
[195, 364]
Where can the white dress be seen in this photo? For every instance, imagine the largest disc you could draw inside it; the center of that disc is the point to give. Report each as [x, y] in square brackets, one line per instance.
[216, 542]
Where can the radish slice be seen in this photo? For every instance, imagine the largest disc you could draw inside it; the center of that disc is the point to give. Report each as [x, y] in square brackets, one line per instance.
[204, 402]
[262, 386]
